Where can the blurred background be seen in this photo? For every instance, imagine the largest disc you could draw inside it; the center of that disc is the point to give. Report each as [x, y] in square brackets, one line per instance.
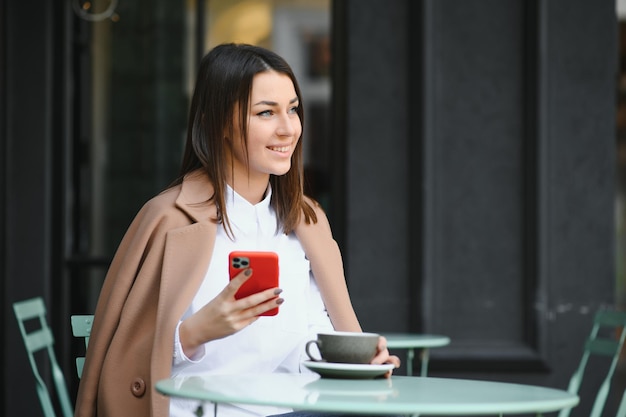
[471, 156]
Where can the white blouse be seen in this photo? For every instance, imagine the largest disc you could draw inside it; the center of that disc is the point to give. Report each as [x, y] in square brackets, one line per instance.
[270, 344]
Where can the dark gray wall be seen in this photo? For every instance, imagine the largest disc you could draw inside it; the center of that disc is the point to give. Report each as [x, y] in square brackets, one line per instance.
[377, 164]
[480, 178]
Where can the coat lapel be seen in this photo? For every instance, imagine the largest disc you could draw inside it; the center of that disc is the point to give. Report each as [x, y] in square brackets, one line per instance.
[188, 250]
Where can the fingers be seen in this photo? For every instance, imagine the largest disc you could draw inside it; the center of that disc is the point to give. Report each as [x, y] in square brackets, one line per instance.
[380, 358]
[256, 303]
[396, 364]
[394, 360]
[237, 282]
[382, 343]
[259, 308]
[383, 356]
[252, 305]
[259, 302]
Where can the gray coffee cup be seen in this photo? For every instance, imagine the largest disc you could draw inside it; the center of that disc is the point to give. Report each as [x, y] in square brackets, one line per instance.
[344, 347]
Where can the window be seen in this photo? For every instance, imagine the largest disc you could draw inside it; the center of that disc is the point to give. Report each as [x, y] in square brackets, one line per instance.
[135, 67]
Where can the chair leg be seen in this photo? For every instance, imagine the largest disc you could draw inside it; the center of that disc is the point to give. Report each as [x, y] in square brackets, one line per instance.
[425, 357]
[409, 361]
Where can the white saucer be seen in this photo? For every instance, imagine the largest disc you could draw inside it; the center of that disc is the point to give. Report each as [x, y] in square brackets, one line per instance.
[348, 370]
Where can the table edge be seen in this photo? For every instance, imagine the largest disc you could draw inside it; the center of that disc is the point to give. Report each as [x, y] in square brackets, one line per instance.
[547, 406]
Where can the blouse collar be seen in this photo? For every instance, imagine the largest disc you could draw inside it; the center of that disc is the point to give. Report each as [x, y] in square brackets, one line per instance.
[247, 217]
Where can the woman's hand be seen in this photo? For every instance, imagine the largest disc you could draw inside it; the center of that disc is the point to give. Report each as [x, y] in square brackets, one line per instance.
[383, 356]
[225, 315]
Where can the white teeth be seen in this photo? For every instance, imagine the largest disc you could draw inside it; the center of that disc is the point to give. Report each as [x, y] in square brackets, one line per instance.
[281, 149]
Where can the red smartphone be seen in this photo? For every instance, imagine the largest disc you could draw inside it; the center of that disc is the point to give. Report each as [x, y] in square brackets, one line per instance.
[264, 273]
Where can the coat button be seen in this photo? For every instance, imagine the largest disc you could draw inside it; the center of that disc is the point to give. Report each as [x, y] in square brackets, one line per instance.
[138, 387]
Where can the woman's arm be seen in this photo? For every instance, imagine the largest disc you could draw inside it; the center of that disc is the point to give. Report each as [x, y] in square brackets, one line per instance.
[327, 266]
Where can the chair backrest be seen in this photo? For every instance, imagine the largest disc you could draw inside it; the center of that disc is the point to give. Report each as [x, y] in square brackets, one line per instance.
[602, 345]
[621, 410]
[81, 327]
[38, 340]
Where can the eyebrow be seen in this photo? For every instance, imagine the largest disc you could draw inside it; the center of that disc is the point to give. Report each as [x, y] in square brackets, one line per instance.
[273, 103]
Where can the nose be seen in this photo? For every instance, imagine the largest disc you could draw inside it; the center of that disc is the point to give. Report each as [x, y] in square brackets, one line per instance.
[288, 125]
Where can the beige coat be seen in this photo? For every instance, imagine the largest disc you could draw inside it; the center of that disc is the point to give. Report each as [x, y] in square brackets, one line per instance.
[154, 275]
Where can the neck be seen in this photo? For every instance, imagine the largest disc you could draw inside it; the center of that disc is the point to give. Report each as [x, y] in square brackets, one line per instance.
[251, 188]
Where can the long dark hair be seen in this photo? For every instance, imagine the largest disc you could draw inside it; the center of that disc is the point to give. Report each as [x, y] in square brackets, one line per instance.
[225, 81]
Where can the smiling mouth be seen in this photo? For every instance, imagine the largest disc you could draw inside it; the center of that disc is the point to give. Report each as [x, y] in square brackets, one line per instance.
[279, 148]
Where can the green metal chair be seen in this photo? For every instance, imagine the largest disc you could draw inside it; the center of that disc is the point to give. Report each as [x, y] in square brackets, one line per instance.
[35, 341]
[81, 327]
[621, 411]
[602, 345]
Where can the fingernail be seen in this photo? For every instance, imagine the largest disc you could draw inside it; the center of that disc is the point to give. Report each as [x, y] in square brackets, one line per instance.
[277, 291]
[248, 272]
[280, 301]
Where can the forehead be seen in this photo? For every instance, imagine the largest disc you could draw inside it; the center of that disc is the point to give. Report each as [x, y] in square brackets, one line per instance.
[272, 86]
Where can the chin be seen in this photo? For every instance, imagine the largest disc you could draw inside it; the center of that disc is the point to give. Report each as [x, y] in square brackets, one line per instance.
[281, 171]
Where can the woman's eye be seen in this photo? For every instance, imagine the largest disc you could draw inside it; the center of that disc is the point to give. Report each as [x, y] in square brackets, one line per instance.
[269, 112]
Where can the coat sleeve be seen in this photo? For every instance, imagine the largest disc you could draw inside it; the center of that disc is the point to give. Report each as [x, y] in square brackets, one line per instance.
[144, 237]
[327, 266]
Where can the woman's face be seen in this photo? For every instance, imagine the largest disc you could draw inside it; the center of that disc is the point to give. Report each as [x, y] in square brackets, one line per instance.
[273, 129]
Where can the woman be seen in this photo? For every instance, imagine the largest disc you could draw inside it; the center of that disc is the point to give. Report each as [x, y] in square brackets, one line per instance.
[167, 306]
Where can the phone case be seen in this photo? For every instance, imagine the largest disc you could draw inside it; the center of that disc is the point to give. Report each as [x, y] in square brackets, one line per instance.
[265, 273]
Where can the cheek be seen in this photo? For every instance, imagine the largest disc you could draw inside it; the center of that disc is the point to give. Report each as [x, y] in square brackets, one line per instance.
[298, 128]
